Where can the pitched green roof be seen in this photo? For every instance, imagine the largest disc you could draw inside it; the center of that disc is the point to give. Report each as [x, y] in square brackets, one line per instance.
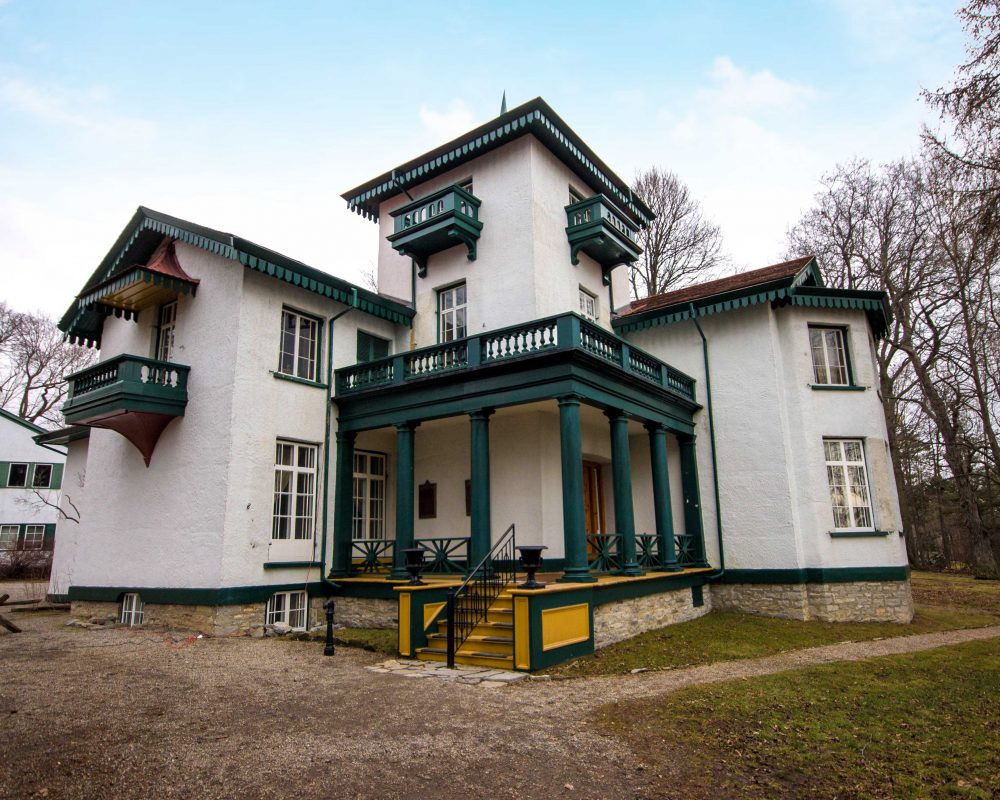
[535, 117]
[82, 323]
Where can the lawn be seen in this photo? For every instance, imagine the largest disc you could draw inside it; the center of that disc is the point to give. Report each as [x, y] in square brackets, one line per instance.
[943, 602]
[919, 725]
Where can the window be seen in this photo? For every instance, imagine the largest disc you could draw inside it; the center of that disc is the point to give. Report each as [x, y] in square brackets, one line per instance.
[427, 500]
[848, 479]
[287, 607]
[18, 475]
[8, 537]
[166, 326]
[132, 609]
[371, 348]
[34, 537]
[452, 314]
[829, 357]
[369, 495]
[42, 477]
[574, 196]
[294, 491]
[588, 304]
[299, 345]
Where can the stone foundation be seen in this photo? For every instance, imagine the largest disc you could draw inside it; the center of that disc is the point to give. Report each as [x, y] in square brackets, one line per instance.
[367, 612]
[857, 601]
[210, 620]
[622, 619]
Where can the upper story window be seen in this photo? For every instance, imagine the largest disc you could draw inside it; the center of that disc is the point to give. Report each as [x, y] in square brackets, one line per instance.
[294, 491]
[588, 304]
[18, 475]
[166, 326]
[42, 477]
[847, 477]
[829, 356]
[574, 196]
[299, 345]
[452, 307]
[371, 347]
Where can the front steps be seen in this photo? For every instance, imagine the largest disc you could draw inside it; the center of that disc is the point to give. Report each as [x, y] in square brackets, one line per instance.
[491, 643]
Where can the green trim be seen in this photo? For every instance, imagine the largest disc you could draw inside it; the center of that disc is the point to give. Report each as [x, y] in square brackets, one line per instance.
[63, 436]
[22, 422]
[295, 379]
[233, 595]
[816, 575]
[436, 222]
[83, 322]
[57, 598]
[378, 590]
[117, 385]
[291, 564]
[652, 584]
[857, 534]
[534, 117]
[823, 387]
[540, 659]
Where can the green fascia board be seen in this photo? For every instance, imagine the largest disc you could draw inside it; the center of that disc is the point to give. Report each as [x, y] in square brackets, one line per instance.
[22, 422]
[534, 117]
[292, 564]
[233, 595]
[137, 241]
[663, 582]
[123, 279]
[384, 590]
[815, 575]
[542, 376]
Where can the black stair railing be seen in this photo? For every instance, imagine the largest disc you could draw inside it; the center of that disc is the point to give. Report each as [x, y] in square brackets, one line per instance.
[470, 602]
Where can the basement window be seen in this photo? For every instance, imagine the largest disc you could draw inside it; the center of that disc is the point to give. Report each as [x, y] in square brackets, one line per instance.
[131, 609]
[287, 607]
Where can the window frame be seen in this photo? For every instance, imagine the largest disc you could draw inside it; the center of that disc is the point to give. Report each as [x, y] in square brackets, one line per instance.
[6, 530]
[285, 612]
[291, 516]
[361, 525]
[441, 313]
[166, 330]
[584, 292]
[372, 338]
[844, 332]
[845, 465]
[34, 477]
[34, 530]
[131, 609]
[10, 474]
[296, 352]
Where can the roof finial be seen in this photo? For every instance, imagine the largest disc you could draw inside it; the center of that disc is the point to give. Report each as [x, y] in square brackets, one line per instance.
[503, 103]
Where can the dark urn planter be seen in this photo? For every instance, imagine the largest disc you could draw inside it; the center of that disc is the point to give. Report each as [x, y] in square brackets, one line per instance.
[531, 560]
[414, 563]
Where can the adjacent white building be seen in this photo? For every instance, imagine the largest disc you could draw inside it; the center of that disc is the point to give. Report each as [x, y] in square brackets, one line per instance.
[258, 429]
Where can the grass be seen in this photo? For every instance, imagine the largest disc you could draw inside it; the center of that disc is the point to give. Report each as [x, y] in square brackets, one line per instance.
[943, 602]
[918, 725]
[381, 640]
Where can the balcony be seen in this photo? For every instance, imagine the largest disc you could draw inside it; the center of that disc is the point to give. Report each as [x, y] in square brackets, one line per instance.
[437, 222]
[566, 334]
[595, 228]
[135, 396]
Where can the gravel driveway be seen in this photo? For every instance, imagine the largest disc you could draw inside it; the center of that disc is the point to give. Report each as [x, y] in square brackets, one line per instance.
[121, 713]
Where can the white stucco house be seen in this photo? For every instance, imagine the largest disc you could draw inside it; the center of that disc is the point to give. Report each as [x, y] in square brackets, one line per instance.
[260, 434]
[31, 477]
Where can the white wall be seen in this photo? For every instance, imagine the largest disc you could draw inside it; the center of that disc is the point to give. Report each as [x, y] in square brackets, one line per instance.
[22, 506]
[70, 535]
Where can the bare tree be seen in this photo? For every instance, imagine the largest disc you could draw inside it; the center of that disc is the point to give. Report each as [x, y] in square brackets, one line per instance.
[680, 245]
[34, 360]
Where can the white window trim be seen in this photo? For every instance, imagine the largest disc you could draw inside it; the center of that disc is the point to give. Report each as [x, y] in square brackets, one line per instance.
[844, 464]
[313, 358]
[7, 530]
[34, 473]
[284, 613]
[10, 472]
[37, 533]
[361, 526]
[165, 331]
[452, 312]
[295, 471]
[587, 295]
[842, 336]
[132, 610]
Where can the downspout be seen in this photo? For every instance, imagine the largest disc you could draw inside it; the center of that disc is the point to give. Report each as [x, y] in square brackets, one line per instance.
[326, 441]
[711, 438]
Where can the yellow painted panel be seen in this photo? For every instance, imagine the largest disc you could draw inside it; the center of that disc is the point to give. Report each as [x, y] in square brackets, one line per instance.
[431, 610]
[566, 625]
[522, 631]
[404, 624]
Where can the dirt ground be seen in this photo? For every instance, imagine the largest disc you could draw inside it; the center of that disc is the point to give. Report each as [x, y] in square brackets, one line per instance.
[118, 713]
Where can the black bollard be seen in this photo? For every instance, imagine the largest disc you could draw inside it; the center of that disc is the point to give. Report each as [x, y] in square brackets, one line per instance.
[329, 606]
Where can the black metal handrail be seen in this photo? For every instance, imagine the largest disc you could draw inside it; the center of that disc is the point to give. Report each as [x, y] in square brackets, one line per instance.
[471, 601]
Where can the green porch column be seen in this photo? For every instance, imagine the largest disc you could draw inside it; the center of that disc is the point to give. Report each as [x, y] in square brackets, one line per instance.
[343, 501]
[405, 434]
[662, 506]
[481, 529]
[577, 567]
[692, 499]
[621, 478]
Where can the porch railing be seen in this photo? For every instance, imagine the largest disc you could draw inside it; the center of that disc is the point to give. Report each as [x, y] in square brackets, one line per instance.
[605, 551]
[686, 549]
[448, 555]
[559, 333]
[648, 550]
[469, 604]
[372, 555]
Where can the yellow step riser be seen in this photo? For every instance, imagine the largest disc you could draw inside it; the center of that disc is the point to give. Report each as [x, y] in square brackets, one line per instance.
[469, 661]
[482, 630]
[500, 648]
[492, 616]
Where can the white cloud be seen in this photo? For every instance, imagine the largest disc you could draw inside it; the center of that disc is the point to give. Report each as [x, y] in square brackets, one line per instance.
[84, 109]
[892, 29]
[444, 125]
[737, 89]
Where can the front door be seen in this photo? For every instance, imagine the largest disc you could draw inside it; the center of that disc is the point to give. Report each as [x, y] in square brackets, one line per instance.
[593, 508]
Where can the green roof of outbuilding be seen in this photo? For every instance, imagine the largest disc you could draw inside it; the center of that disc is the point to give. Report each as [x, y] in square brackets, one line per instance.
[535, 117]
[82, 323]
[31, 426]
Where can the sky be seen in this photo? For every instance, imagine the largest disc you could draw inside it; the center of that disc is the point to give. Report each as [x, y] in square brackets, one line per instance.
[254, 117]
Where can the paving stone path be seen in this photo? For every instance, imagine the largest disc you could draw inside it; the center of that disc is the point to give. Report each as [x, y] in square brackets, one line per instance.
[489, 678]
